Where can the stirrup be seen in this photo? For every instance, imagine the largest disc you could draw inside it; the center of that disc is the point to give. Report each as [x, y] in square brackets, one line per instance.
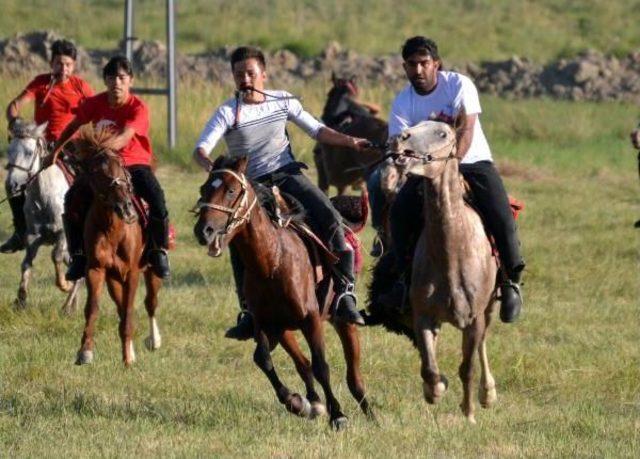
[349, 290]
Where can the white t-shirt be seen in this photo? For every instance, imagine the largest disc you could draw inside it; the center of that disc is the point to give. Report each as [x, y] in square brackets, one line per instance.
[452, 92]
[259, 132]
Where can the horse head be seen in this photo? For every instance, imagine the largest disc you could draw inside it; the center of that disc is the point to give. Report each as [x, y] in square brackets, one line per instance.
[26, 149]
[225, 204]
[428, 146]
[108, 178]
[339, 100]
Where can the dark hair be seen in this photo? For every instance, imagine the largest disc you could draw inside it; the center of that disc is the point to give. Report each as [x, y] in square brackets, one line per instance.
[63, 48]
[247, 52]
[115, 64]
[420, 45]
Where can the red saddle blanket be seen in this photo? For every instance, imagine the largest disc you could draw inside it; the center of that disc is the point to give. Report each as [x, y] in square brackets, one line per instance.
[142, 208]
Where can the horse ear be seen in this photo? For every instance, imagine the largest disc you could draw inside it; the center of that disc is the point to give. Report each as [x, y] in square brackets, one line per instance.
[217, 164]
[241, 164]
[40, 129]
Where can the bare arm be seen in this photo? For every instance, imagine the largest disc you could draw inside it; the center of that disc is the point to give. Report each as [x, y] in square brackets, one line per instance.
[330, 137]
[201, 158]
[13, 109]
[464, 142]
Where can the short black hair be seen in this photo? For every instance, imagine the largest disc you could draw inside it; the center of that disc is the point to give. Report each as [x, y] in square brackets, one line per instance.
[247, 52]
[115, 64]
[420, 45]
[63, 48]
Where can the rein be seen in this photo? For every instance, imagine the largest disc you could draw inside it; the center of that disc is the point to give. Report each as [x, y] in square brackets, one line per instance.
[235, 219]
[40, 147]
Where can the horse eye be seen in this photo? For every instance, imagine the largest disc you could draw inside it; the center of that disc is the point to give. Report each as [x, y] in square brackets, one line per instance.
[442, 134]
[231, 191]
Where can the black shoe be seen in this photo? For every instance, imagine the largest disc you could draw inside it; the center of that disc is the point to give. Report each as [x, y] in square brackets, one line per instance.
[243, 329]
[511, 302]
[346, 309]
[159, 261]
[13, 244]
[77, 268]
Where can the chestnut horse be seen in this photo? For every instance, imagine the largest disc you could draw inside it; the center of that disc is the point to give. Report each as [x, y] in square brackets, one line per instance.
[454, 272]
[114, 243]
[280, 289]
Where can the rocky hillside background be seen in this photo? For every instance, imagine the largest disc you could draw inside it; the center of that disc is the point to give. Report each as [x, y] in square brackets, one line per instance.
[587, 76]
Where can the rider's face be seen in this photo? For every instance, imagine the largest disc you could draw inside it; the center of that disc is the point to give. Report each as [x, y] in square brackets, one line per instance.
[118, 85]
[62, 67]
[249, 74]
[422, 72]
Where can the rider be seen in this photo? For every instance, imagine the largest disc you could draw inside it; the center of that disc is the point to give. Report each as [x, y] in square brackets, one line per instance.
[253, 124]
[441, 95]
[118, 109]
[56, 97]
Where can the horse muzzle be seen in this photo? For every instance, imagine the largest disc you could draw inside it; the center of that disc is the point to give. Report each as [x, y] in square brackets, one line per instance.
[127, 211]
[213, 238]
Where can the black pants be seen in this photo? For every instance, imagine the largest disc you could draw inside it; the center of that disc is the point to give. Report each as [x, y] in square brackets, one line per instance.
[146, 185]
[491, 200]
[322, 217]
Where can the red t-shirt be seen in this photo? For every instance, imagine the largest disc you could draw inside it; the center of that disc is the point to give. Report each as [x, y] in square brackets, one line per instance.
[133, 113]
[56, 103]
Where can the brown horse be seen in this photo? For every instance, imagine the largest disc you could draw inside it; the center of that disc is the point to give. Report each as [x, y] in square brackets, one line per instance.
[280, 289]
[114, 245]
[343, 167]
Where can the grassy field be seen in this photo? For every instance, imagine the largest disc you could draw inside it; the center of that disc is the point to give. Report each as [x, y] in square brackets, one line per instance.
[467, 30]
[568, 373]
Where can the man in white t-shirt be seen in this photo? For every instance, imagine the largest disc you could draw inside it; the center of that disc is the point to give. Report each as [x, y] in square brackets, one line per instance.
[253, 124]
[441, 95]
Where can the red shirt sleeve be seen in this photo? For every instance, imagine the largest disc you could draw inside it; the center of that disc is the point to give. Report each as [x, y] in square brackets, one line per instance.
[33, 87]
[138, 119]
[85, 111]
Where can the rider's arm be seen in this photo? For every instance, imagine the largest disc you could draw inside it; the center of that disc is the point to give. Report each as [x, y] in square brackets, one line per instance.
[13, 109]
[211, 135]
[464, 141]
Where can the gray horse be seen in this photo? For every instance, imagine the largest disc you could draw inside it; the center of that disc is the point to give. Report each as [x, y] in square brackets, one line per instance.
[44, 204]
[454, 273]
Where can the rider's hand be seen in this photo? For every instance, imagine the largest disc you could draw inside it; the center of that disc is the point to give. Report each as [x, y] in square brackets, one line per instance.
[635, 138]
[359, 144]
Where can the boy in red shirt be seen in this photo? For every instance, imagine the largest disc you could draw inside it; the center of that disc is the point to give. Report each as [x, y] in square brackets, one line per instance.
[128, 116]
[56, 97]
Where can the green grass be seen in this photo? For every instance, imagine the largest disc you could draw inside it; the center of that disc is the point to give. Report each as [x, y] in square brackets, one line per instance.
[466, 30]
[568, 373]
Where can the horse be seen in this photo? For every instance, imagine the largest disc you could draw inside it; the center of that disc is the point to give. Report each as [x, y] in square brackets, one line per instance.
[43, 208]
[114, 243]
[454, 274]
[280, 289]
[339, 166]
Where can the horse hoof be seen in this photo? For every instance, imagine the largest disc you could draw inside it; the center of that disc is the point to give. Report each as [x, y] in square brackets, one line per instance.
[487, 397]
[298, 405]
[84, 357]
[471, 418]
[153, 344]
[317, 409]
[65, 286]
[20, 303]
[339, 423]
[433, 394]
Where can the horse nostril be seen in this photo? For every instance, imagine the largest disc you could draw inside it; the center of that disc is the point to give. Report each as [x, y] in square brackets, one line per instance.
[208, 231]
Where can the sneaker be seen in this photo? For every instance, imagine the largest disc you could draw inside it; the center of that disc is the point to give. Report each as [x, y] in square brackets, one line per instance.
[511, 301]
[77, 268]
[13, 244]
[243, 330]
[159, 261]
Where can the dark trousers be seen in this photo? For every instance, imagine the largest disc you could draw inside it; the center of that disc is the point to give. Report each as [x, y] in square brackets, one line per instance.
[322, 217]
[491, 200]
[17, 211]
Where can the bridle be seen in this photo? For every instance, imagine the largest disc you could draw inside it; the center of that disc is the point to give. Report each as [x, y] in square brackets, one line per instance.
[425, 157]
[240, 212]
[115, 182]
[41, 147]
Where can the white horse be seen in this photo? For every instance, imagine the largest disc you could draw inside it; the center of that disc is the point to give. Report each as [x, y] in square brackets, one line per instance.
[43, 208]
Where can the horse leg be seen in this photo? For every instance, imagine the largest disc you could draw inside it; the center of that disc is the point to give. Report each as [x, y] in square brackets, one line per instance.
[303, 366]
[125, 311]
[70, 305]
[487, 391]
[350, 339]
[95, 281]
[434, 384]
[27, 263]
[312, 330]
[470, 340]
[294, 403]
[153, 283]
[58, 258]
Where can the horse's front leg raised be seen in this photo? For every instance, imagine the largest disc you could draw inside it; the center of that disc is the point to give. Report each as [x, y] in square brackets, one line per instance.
[294, 403]
[153, 284]
[27, 263]
[434, 384]
[95, 281]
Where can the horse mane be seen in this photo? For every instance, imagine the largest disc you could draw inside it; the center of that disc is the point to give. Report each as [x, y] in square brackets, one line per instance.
[93, 141]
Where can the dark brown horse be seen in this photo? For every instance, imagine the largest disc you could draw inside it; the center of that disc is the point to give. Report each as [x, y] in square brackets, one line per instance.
[114, 245]
[343, 167]
[280, 289]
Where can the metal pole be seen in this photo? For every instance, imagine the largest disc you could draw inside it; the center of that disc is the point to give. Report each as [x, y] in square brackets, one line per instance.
[128, 29]
[171, 76]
